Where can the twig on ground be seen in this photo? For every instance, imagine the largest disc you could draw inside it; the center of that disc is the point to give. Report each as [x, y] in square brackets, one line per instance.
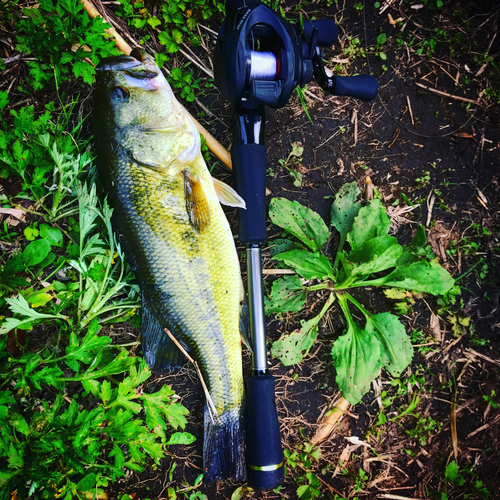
[445, 94]
[430, 204]
[410, 110]
[277, 271]
[211, 406]
[396, 497]
[453, 425]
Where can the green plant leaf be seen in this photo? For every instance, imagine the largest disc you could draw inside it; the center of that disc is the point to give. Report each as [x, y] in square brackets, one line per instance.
[36, 252]
[356, 357]
[50, 375]
[90, 345]
[287, 295]
[421, 276]
[14, 458]
[87, 482]
[181, 438]
[396, 351]
[345, 208]
[280, 245]
[241, 491]
[420, 238]
[158, 407]
[52, 234]
[40, 297]
[309, 265]
[375, 255]
[371, 221]
[301, 221]
[5, 476]
[292, 348]
[19, 423]
[453, 475]
[381, 39]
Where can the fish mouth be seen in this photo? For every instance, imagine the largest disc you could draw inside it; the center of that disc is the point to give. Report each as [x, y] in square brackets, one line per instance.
[139, 64]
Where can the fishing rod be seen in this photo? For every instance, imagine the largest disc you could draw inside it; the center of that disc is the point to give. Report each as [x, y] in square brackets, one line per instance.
[259, 60]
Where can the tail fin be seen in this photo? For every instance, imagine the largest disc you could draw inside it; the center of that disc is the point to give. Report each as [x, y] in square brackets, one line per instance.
[223, 451]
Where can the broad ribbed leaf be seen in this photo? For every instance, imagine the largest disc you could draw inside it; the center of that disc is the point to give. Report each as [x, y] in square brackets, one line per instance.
[345, 208]
[292, 348]
[371, 221]
[421, 276]
[356, 359]
[287, 295]
[376, 255]
[86, 483]
[396, 351]
[302, 222]
[309, 265]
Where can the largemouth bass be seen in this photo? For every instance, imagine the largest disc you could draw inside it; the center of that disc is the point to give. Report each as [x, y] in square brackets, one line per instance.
[176, 238]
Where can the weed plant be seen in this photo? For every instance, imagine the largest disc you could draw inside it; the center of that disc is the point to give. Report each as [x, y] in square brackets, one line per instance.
[69, 395]
[373, 259]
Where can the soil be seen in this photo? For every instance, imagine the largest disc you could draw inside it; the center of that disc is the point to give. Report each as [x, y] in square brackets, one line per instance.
[416, 146]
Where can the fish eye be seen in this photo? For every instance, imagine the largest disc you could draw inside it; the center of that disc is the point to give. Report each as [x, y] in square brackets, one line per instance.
[120, 93]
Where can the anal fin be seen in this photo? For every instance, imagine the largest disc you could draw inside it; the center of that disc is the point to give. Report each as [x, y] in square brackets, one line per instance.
[160, 353]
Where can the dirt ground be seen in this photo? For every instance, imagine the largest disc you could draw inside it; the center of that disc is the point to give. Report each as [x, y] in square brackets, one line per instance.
[439, 155]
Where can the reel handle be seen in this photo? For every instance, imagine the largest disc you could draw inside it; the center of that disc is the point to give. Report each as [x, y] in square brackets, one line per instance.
[328, 32]
[364, 87]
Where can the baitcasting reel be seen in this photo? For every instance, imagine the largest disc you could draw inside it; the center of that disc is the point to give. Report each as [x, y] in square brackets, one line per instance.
[260, 58]
[259, 61]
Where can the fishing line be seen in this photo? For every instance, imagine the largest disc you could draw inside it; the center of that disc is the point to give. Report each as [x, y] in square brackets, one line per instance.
[400, 123]
[264, 65]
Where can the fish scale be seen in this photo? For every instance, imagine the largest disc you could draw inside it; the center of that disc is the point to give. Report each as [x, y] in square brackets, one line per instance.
[185, 260]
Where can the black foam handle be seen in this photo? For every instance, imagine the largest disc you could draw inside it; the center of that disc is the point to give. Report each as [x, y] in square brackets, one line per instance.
[328, 32]
[264, 452]
[363, 87]
[249, 170]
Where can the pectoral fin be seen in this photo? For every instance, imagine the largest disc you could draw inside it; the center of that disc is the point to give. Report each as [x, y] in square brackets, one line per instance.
[196, 201]
[227, 195]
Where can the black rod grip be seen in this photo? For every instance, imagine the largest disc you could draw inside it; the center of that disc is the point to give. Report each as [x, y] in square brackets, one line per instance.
[249, 170]
[264, 453]
[363, 87]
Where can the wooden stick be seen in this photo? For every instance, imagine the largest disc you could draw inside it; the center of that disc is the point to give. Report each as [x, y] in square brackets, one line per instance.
[453, 425]
[325, 428]
[212, 143]
[277, 271]
[211, 405]
[409, 109]
[445, 94]
[119, 41]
